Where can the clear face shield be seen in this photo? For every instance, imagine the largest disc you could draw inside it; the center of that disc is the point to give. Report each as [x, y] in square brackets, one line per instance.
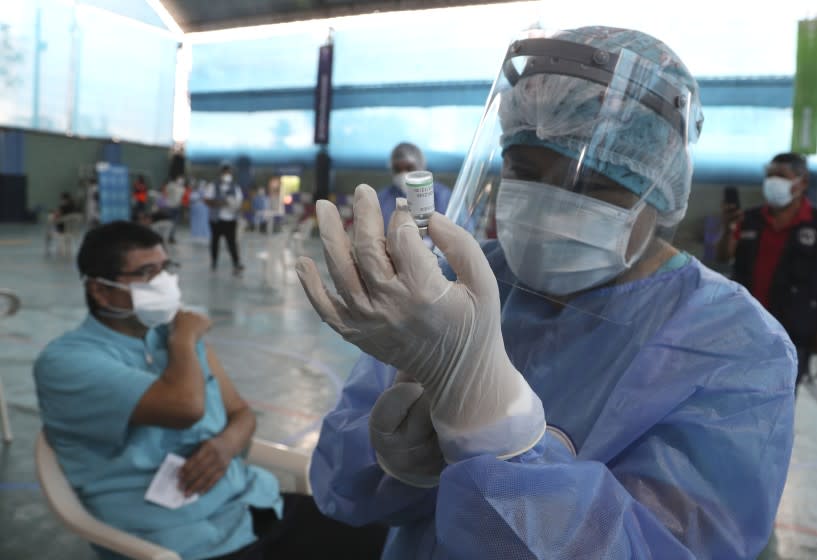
[580, 168]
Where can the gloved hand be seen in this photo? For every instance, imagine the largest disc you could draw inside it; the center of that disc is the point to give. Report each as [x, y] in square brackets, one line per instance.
[403, 436]
[396, 305]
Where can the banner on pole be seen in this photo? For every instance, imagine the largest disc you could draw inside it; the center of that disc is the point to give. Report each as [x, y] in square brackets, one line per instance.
[804, 105]
[323, 95]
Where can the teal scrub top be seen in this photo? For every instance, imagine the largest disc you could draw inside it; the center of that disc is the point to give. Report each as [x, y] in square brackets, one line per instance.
[675, 262]
[89, 381]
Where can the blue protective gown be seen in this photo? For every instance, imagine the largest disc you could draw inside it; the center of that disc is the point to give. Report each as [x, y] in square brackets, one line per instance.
[199, 219]
[680, 405]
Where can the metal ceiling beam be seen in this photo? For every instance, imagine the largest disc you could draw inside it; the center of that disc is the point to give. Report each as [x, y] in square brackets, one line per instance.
[769, 92]
[192, 20]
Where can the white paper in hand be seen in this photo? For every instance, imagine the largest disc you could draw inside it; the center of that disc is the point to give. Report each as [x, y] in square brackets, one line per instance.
[164, 488]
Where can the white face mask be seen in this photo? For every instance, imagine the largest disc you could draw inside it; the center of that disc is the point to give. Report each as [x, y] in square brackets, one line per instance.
[399, 181]
[227, 178]
[777, 191]
[559, 242]
[154, 303]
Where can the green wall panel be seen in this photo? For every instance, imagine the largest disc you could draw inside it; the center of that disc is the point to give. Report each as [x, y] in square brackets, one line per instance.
[55, 163]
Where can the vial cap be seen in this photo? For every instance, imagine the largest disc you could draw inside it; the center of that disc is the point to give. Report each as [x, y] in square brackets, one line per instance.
[419, 178]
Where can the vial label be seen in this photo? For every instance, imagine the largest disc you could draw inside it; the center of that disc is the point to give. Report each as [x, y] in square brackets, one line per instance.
[420, 199]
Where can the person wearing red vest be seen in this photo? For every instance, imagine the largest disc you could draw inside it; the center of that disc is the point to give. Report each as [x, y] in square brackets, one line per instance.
[773, 248]
[140, 195]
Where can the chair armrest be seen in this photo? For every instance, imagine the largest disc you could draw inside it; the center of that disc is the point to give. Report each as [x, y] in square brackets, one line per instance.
[282, 459]
[64, 503]
[12, 302]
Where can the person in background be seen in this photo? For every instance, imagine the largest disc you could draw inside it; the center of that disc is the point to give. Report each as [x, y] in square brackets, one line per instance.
[159, 198]
[136, 382]
[144, 217]
[577, 387]
[157, 205]
[66, 206]
[406, 157]
[92, 203]
[245, 211]
[773, 250]
[224, 198]
[199, 216]
[174, 193]
[710, 232]
[188, 191]
[275, 193]
[260, 204]
[140, 195]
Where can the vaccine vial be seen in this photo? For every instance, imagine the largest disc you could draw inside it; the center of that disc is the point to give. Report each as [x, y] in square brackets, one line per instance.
[420, 197]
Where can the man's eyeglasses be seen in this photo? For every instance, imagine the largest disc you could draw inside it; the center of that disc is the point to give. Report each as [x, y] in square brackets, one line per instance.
[148, 271]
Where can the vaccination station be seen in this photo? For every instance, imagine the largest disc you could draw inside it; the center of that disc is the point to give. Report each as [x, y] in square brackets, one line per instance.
[408, 280]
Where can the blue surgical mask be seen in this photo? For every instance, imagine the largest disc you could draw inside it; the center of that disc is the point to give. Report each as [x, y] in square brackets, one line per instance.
[559, 242]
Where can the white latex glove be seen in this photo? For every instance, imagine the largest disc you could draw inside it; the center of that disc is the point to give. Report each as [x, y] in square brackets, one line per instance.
[403, 436]
[396, 305]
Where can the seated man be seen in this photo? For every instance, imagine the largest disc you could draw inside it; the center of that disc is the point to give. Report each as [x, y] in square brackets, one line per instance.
[67, 206]
[405, 158]
[136, 382]
[57, 219]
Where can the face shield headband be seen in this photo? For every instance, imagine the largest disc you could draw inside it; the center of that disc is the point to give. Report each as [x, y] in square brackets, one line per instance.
[566, 58]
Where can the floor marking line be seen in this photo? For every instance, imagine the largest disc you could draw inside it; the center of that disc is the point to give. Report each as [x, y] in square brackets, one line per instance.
[269, 407]
[796, 528]
[12, 486]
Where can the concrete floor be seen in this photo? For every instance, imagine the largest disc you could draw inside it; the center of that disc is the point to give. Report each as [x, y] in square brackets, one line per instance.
[288, 365]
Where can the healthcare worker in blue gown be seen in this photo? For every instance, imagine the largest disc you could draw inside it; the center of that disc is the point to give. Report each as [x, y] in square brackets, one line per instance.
[405, 158]
[575, 387]
[199, 218]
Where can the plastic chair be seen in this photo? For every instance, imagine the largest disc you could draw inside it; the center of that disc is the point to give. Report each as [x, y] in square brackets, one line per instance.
[64, 502]
[240, 229]
[261, 217]
[300, 233]
[9, 304]
[272, 258]
[268, 218]
[64, 240]
[163, 228]
[810, 382]
[283, 248]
